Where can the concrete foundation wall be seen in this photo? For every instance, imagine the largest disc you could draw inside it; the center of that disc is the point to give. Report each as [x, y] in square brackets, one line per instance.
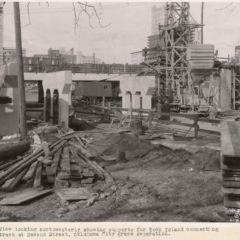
[56, 80]
[137, 86]
[225, 90]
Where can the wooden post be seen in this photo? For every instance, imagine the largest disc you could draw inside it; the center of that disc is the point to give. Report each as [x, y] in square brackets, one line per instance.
[103, 103]
[21, 87]
[196, 127]
[131, 111]
[140, 103]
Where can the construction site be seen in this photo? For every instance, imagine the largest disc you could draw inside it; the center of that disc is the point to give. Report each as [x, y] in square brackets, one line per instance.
[152, 141]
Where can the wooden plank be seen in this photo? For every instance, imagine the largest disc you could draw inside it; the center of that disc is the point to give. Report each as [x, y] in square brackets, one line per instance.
[231, 191]
[58, 146]
[230, 202]
[22, 197]
[16, 180]
[65, 164]
[52, 170]
[31, 171]
[9, 163]
[73, 194]
[24, 163]
[101, 172]
[38, 176]
[82, 149]
[76, 171]
[7, 184]
[80, 161]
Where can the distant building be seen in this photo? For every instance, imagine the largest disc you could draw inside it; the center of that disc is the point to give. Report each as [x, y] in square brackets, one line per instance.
[57, 60]
[69, 59]
[10, 55]
[155, 42]
[83, 59]
[53, 53]
[159, 17]
[237, 54]
[137, 57]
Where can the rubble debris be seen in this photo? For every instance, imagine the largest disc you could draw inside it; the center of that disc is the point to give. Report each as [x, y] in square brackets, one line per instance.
[22, 197]
[73, 194]
[64, 163]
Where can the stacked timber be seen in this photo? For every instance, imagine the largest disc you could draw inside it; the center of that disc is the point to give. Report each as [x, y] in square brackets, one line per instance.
[62, 164]
[200, 56]
[230, 139]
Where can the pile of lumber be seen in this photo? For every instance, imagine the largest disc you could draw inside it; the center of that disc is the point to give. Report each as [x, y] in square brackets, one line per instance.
[230, 138]
[62, 164]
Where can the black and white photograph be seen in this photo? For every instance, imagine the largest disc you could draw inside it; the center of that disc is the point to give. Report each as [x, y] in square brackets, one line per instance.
[120, 111]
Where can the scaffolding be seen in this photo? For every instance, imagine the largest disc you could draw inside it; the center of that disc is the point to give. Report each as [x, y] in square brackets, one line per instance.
[177, 33]
[236, 88]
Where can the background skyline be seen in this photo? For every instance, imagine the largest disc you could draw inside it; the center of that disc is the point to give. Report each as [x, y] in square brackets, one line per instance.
[130, 24]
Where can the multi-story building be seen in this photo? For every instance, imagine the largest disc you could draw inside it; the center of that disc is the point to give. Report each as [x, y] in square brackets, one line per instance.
[137, 57]
[83, 59]
[10, 54]
[159, 16]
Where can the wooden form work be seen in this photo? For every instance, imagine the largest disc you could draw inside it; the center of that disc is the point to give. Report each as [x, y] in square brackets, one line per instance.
[230, 162]
[154, 115]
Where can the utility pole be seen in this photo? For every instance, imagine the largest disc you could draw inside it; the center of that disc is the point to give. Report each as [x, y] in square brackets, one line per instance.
[202, 14]
[20, 76]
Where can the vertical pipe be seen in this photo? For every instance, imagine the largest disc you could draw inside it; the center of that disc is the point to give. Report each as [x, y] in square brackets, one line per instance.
[202, 14]
[1, 34]
[21, 87]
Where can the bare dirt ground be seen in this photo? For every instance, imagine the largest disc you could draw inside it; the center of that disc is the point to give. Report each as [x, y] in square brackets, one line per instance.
[154, 184]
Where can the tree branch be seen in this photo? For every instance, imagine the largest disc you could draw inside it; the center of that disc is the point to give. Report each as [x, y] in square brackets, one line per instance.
[86, 8]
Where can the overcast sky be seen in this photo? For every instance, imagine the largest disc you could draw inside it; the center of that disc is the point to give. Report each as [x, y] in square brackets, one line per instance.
[130, 24]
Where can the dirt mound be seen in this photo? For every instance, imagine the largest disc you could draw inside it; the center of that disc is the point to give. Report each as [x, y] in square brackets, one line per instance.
[128, 143]
[206, 159]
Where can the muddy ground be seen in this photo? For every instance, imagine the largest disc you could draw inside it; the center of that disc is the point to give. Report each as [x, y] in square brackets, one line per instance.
[153, 183]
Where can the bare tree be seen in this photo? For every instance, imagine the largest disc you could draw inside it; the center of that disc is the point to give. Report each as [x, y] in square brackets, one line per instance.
[79, 8]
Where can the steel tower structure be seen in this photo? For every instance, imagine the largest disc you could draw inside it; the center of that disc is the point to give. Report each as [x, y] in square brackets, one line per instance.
[178, 34]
